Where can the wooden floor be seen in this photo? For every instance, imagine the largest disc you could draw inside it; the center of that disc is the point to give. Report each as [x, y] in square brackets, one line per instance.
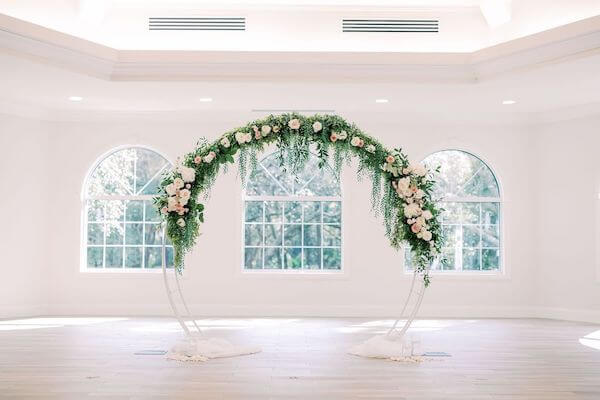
[93, 358]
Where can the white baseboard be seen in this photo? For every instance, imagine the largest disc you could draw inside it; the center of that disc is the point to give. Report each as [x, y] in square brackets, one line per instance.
[19, 311]
[222, 310]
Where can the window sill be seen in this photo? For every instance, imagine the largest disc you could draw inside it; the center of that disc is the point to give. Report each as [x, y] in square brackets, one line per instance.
[287, 274]
[122, 271]
[462, 275]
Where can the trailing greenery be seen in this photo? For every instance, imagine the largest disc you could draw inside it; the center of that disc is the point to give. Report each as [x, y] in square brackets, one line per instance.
[401, 192]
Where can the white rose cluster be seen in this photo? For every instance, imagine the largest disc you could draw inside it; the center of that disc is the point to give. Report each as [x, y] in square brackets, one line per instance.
[179, 191]
[243, 137]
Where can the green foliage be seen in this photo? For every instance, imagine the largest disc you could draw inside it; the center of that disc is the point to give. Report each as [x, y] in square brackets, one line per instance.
[337, 139]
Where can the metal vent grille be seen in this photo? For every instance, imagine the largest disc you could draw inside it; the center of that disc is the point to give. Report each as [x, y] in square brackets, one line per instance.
[390, 25]
[197, 23]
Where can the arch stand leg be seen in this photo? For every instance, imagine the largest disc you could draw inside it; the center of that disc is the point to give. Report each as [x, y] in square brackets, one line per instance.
[195, 346]
[396, 344]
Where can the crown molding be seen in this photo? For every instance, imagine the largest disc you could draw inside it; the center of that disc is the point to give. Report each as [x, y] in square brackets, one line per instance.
[44, 45]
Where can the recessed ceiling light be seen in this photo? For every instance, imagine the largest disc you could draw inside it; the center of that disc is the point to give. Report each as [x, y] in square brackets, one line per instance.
[75, 98]
[508, 102]
[381, 100]
[205, 99]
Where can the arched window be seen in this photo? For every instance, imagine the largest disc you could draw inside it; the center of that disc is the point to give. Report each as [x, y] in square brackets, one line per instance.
[122, 226]
[470, 195]
[292, 222]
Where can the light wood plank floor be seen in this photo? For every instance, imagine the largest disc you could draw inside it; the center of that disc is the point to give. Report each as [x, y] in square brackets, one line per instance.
[93, 358]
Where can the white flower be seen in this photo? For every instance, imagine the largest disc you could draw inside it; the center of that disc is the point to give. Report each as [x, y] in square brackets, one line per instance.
[187, 174]
[342, 135]
[370, 148]
[178, 183]
[225, 142]
[209, 157]
[243, 137]
[419, 194]
[164, 210]
[294, 123]
[265, 129]
[427, 214]
[183, 201]
[172, 203]
[426, 235]
[412, 210]
[403, 184]
[317, 126]
[181, 222]
[170, 189]
[185, 193]
[356, 141]
[418, 170]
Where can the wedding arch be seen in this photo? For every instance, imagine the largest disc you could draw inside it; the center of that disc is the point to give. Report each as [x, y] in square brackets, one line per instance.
[401, 193]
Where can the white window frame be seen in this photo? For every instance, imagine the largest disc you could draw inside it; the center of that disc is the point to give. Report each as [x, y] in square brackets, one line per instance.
[293, 198]
[501, 271]
[84, 216]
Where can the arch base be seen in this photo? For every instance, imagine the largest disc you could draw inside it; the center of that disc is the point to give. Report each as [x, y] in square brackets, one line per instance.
[387, 347]
[204, 349]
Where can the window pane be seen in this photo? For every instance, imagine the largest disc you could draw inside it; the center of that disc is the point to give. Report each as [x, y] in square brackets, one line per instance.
[332, 211]
[153, 257]
[273, 211]
[293, 211]
[293, 235]
[450, 233]
[114, 233]
[115, 210]
[261, 184]
[325, 183]
[134, 211]
[95, 255]
[332, 235]
[471, 236]
[95, 234]
[312, 258]
[471, 260]
[253, 258]
[153, 234]
[312, 211]
[133, 257]
[170, 257]
[273, 257]
[449, 259]
[332, 259]
[253, 235]
[312, 235]
[273, 235]
[114, 175]
[254, 211]
[470, 213]
[451, 213]
[293, 258]
[133, 233]
[114, 257]
[149, 164]
[151, 212]
[95, 210]
[490, 236]
[491, 259]
[490, 213]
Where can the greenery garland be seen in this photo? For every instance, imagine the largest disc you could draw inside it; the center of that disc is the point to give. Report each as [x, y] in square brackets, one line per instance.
[401, 192]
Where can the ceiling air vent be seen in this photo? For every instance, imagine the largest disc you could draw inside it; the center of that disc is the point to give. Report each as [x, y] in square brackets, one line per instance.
[390, 25]
[197, 23]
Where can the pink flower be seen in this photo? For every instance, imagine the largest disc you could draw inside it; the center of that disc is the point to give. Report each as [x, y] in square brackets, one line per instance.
[187, 186]
[415, 228]
[390, 159]
[257, 135]
[333, 137]
[197, 160]
[164, 210]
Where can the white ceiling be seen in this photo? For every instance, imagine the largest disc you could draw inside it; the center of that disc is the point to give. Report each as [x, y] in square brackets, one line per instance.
[299, 25]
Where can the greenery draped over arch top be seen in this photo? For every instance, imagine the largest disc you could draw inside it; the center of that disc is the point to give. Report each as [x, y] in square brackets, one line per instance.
[400, 191]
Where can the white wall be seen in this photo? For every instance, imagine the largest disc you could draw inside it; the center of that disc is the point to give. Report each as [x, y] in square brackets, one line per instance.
[23, 201]
[373, 282]
[568, 210]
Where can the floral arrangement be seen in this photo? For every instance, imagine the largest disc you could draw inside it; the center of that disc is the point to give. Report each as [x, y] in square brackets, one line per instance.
[401, 191]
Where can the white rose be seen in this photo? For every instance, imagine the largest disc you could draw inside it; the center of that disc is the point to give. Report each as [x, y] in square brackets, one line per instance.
[426, 235]
[185, 194]
[421, 220]
[370, 148]
[342, 135]
[172, 203]
[419, 194]
[294, 123]
[243, 137]
[183, 201]
[225, 142]
[355, 141]
[403, 184]
[427, 214]
[412, 210]
[209, 157]
[317, 126]
[418, 170]
[178, 183]
[187, 174]
[170, 189]
[265, 130]
[181, 222]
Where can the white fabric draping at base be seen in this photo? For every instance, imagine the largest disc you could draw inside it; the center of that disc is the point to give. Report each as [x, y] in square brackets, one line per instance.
[203, 349]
